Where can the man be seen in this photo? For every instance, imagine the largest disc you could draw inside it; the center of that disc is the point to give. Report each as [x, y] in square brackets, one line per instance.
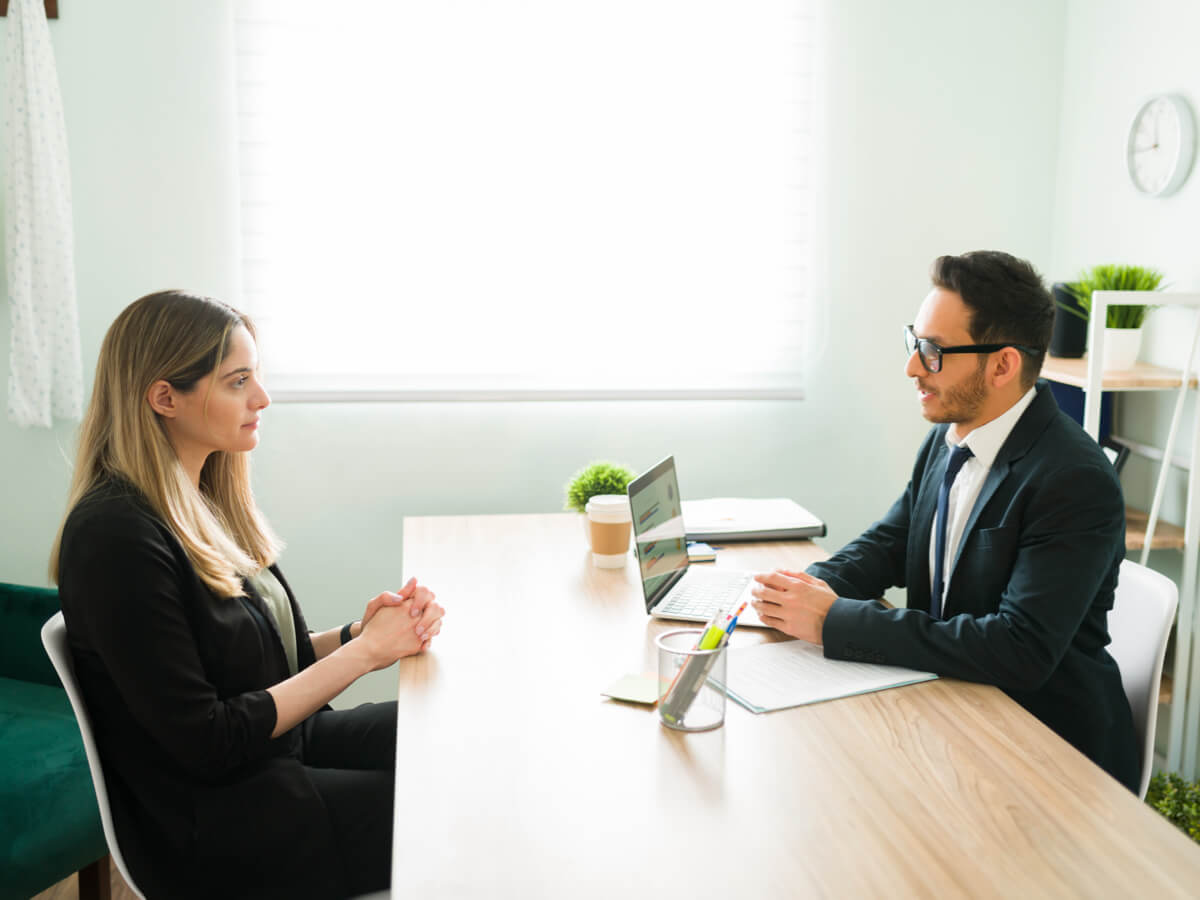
[1025, 540]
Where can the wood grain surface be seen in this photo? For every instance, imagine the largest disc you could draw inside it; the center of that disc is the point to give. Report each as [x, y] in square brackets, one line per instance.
[516, 778]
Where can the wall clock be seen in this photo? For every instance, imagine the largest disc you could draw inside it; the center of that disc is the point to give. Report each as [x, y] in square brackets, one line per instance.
[1162, 142]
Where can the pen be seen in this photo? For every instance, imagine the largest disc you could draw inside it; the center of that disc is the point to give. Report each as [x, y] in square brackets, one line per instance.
[731, 623]
[733, 619]
[729, 629]
[711, 638]
[691, 675]
[710, 630]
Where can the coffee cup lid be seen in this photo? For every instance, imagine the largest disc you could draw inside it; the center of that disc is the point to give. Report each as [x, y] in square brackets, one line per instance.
[609, 508]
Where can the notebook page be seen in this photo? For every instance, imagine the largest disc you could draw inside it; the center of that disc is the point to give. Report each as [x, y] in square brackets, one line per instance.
[793, 673]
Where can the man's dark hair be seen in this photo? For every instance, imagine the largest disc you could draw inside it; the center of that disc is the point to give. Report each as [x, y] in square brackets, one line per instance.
[1007, 300]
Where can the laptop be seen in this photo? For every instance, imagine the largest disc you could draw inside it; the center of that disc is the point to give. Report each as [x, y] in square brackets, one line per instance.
[673, 588]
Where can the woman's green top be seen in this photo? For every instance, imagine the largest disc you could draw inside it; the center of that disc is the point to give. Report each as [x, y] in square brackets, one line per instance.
[276, 598]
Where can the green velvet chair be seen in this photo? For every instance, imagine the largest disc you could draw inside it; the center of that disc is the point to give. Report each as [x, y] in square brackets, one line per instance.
[49, 820]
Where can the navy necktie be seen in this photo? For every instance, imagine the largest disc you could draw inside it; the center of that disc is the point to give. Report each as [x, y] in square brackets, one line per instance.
[958, 456]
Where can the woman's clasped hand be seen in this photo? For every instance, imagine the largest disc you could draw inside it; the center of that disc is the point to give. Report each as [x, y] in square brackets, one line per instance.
[399, 624]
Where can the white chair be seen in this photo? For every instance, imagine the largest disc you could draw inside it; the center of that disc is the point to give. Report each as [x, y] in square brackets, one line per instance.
[54, 639]
[1139, 624]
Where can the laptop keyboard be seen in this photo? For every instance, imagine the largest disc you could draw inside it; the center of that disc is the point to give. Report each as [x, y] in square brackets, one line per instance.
[707, 595]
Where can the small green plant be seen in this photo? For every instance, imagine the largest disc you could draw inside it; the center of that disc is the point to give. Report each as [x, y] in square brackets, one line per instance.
[598, 478]
[1114, 278]
[1178, 801]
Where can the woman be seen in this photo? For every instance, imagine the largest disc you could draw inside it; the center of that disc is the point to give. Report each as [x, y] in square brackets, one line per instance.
[228, 775]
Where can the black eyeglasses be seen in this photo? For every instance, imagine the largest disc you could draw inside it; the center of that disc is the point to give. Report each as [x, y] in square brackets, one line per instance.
[931, 354]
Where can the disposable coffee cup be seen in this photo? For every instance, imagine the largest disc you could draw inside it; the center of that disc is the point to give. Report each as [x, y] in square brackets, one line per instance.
[609, 526]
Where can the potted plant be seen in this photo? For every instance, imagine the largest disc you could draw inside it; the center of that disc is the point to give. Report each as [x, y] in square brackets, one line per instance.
[598, 491]
[1123, 324]
[1178, 801]
[1069, 338]
[592, 480]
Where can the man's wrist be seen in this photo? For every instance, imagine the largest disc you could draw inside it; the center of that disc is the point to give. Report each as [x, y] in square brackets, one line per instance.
[350, 631]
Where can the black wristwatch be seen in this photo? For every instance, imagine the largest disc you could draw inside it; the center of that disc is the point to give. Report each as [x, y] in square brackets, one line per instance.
[346, 633]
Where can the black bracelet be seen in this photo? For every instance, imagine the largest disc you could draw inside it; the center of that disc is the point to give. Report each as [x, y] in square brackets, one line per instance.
[346, 632]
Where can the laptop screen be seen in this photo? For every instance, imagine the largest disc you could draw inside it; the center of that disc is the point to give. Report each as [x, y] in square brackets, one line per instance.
[658, 529]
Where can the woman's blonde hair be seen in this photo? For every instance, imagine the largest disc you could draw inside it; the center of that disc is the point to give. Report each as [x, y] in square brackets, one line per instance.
[179, 338]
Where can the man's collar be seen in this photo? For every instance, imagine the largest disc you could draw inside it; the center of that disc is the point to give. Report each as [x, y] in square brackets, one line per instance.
[986, 440]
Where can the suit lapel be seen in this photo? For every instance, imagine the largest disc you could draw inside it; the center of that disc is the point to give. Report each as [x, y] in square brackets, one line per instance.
[919, 586]
[996, 474]
[1020, 440]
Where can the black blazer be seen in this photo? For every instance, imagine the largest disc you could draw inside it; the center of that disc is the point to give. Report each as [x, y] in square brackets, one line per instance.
[1027, 603]
[204, 802]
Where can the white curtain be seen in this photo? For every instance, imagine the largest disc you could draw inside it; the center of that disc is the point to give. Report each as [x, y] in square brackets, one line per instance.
[45, 378]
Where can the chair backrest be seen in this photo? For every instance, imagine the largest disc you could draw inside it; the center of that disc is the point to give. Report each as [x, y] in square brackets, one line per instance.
[54, 639]
[1140, 622]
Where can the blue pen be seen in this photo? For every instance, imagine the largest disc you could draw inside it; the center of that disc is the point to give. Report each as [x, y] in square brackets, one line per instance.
[734, 618]
[728, 632]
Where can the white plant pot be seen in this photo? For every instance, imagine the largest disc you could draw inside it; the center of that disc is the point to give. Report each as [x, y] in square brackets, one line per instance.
[1121, 346]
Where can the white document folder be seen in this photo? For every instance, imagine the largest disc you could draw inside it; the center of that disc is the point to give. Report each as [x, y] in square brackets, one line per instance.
[741, 519]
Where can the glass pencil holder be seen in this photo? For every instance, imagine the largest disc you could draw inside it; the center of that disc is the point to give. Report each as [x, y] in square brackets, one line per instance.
[691, 682]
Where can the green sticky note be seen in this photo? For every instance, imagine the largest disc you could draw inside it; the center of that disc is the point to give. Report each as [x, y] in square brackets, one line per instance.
[634, 689]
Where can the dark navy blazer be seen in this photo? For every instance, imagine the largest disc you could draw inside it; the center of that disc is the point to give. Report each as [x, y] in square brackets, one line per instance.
[1028, 599]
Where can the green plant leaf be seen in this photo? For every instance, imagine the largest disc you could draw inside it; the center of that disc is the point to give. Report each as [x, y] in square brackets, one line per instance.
[1071, 309]
[1112, 277]
[1178, 801]
[596, 478]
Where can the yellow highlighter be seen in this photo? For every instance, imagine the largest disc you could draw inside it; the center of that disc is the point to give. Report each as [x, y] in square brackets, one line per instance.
[712, 636]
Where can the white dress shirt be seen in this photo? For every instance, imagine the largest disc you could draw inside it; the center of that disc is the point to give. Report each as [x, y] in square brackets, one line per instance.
[985, 442]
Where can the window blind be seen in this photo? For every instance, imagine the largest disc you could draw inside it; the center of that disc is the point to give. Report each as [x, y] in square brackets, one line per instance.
[526, 198]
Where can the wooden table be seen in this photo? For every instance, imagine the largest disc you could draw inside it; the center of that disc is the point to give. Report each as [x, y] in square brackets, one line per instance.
[515, 778]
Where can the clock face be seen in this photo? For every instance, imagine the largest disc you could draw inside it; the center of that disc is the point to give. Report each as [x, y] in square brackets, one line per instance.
[1161, 144]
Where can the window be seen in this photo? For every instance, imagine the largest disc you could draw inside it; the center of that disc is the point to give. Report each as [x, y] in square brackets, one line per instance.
[526, 198]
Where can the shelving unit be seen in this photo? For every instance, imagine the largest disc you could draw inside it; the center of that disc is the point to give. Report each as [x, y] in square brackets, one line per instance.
[1142, 377]
[1183, 692]
[1166, 535]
